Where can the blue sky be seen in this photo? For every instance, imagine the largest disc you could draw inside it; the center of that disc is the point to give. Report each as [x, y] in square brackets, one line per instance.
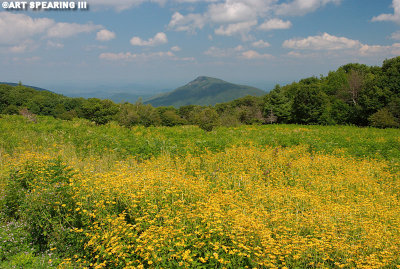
[163, 44]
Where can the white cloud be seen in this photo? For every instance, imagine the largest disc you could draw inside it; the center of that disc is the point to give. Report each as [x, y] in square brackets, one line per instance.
[235, 28]
[133, 56]
[27, 45]
[95, 47]
[237, 52]
[330, 44]
[64, 30]
[367, 50]
[231, 12]
[274, 24]
[28, 60]
[128, 56]
[395, 17]
[188, 23]
[296, 54]
[16, 27]
[302, 7]
[221, 53]
[158, 39]
[251, 54]
[226, 15]
[105, 35]
[261, 44]
[395, 35]
[176, 48]
[322, 42]
[56, 45]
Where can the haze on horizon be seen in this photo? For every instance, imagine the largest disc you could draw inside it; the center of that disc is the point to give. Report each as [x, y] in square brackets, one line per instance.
[163, 44]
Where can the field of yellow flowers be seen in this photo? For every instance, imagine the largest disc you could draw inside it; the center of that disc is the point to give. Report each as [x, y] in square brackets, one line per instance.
[236, 203]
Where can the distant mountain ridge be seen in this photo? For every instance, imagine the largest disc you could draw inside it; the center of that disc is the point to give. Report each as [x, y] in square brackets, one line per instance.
[204, 91]
[33, 87]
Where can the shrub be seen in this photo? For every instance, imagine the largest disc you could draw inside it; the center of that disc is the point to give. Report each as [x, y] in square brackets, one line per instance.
[207, 119]
[40, 195]
[383, 119]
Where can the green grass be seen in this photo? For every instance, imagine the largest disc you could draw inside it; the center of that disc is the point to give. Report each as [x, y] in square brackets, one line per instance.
[87, 139]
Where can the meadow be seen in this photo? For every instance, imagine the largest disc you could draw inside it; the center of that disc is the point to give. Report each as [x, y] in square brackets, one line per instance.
[77, 195]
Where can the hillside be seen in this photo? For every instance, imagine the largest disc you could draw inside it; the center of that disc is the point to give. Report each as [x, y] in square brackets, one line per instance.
[28, 86]
[204, 91]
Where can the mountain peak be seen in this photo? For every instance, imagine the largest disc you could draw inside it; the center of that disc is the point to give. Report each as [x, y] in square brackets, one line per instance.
[201, 78]
[204, 80]
[204, 91]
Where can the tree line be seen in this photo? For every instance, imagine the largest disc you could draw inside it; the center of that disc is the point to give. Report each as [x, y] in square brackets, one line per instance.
[354, 94]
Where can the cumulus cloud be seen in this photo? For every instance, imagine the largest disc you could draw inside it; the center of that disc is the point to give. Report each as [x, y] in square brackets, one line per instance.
[395, 35]
[296, 54]
[235, 28]
[395, 17]
[229, 16]
[322, 42]
[238, 52]
[176, 48]
[57, 45]
[128, 56]
[275, 24]
[105, 35]
[232, 12]
[28, 60]
[223, 52]
[27, 45]
[188, 23]
[158, 39]
[65, 30]
[251, 54]
[330, 43]
[16, 27]
[95, 47]
[22, 33]
[302, 7]
[261, 44]
[235, 17]
[367, 50]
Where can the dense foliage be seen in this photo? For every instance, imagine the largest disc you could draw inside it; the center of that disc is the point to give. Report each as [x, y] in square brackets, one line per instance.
[354, 94]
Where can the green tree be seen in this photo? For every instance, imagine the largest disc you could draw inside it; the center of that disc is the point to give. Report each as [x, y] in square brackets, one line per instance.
[148, 115]
[11, 110]
[169, 116]
[309, 105]
[99, 111]
[207, 119]
[127, 115]
[277, 105]
[391, 75]
[383, 119]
